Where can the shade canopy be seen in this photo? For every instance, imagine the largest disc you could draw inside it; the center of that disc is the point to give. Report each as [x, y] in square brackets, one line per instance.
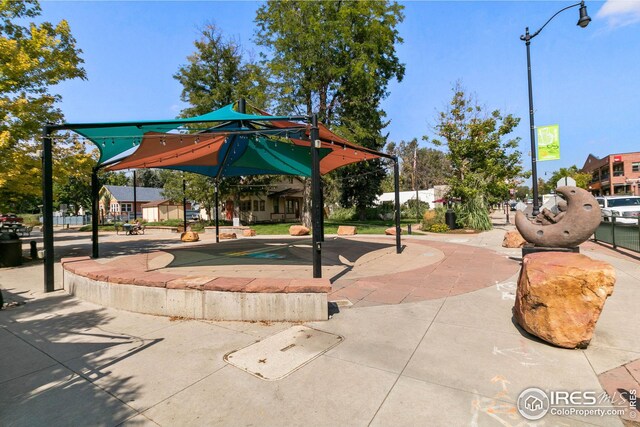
[222, 143]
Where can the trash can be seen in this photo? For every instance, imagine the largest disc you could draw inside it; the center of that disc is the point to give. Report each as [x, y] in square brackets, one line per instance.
[10, 250]
[450, 219]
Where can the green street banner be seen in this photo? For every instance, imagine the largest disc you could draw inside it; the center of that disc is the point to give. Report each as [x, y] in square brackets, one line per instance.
[548, 143]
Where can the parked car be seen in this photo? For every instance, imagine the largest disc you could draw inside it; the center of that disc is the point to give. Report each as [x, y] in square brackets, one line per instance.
[626, 209]
[10, 218]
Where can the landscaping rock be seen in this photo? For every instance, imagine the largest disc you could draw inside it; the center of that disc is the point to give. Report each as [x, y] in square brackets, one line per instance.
[513, 239]
[298, 230]
[227, 236]
[347, 230]
[189, 236]
[391, 231]
[249, 232]
[560, 296]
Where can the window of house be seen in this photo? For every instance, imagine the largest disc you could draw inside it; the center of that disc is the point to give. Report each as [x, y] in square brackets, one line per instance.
[245, 205]
[618, 169]
[263, 206]
[595, 176]
[291, 206]
[126, 207]
[114, 207]
[276, 207]
[604, 173]
[635, 167]
[256, 205]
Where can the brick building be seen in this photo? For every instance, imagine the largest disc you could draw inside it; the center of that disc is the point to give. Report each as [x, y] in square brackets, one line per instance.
[614, 174]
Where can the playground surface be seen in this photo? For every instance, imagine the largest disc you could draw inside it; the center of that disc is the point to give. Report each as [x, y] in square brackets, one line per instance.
[421, 338]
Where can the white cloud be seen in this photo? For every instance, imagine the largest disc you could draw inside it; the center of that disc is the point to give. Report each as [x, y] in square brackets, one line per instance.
[620, 13]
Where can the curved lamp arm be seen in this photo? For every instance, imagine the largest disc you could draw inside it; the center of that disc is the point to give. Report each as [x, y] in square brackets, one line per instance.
[527, 36]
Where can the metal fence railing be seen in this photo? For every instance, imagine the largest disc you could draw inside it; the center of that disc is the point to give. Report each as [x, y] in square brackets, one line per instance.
[619, 234]
[71, 220]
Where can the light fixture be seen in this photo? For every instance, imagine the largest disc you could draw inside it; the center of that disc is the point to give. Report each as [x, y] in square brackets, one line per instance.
[584, 18]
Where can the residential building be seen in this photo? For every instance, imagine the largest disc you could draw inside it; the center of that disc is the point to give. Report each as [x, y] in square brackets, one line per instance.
[433, 196]
[120, 200]
[614, 174]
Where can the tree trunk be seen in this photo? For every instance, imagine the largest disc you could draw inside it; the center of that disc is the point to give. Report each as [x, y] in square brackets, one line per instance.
[306, 203]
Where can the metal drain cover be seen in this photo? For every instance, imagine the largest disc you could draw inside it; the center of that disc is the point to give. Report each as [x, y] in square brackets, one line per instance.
[279, 355]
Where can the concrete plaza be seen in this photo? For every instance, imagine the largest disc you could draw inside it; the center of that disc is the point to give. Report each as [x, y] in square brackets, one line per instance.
[431, 344]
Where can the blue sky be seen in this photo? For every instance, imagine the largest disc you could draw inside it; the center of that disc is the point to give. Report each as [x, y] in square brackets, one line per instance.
[585, 80]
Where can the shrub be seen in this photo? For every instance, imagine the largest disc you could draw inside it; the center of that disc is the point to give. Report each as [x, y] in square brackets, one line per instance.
[433, 216]
[438, 228]
[342, 214]
[473, 213]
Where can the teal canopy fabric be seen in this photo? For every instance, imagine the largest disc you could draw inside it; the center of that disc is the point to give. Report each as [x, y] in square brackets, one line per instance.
[113, 139]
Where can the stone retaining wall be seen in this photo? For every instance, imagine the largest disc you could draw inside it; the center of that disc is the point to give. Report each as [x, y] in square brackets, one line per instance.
[201, 297]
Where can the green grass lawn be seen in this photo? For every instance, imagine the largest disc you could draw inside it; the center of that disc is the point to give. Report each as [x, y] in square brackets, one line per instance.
[282, 228]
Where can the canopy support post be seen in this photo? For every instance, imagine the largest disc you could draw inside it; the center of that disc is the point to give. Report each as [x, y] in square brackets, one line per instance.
[95, 194]
[47, 207]
[184, 203]
[216, 208]
[135, 198]
[396, 184]
[316, 208]
[321, 205]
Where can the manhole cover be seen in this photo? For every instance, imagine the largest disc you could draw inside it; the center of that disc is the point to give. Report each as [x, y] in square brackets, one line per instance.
[279, 355]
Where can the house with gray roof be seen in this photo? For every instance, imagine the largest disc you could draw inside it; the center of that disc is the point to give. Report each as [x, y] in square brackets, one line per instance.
[117, 200]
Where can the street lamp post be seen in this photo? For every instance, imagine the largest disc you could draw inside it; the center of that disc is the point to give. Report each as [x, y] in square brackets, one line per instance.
[582, 22]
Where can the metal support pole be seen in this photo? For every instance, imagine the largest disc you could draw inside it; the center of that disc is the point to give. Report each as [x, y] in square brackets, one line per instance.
[417, 205]
[95, 212]
[47, 207]
[316, 208]
[396, 183]
[184, 203]
[217, 210]
[532, 130]
[613, 231]
[135, 198]
[321, 205]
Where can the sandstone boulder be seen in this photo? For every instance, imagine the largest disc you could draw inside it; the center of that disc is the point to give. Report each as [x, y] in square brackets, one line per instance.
[298, 230]
[560, 296]
[513, 239]
[249, 232]
[189, 236]
[347, 230]
[227, 236]
[391, 231]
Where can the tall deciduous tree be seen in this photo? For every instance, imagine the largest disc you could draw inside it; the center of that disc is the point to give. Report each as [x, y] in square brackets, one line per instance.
[218, 73]
[421, 167]
[336, 59]
[483, 160]
[582, 179]
[33, 57]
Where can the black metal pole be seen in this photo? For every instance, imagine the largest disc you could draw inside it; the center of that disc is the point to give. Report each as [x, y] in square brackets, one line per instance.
[135, 198]
[321, 203]
[95, 212]
[47, 207]
[216, 209]
[396, 184]
[316, 199]
[184, 203]
[532, 130]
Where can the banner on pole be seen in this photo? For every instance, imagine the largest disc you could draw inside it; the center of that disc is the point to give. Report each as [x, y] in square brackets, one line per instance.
[548, 143]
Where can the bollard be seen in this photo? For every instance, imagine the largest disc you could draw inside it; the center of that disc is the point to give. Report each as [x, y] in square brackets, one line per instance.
[408, 228]
[34, 249]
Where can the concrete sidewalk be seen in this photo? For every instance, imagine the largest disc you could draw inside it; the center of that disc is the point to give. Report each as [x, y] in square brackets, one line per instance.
[455, 360]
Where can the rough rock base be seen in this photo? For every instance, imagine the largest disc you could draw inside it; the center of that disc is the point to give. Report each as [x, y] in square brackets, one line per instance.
[560, 296]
